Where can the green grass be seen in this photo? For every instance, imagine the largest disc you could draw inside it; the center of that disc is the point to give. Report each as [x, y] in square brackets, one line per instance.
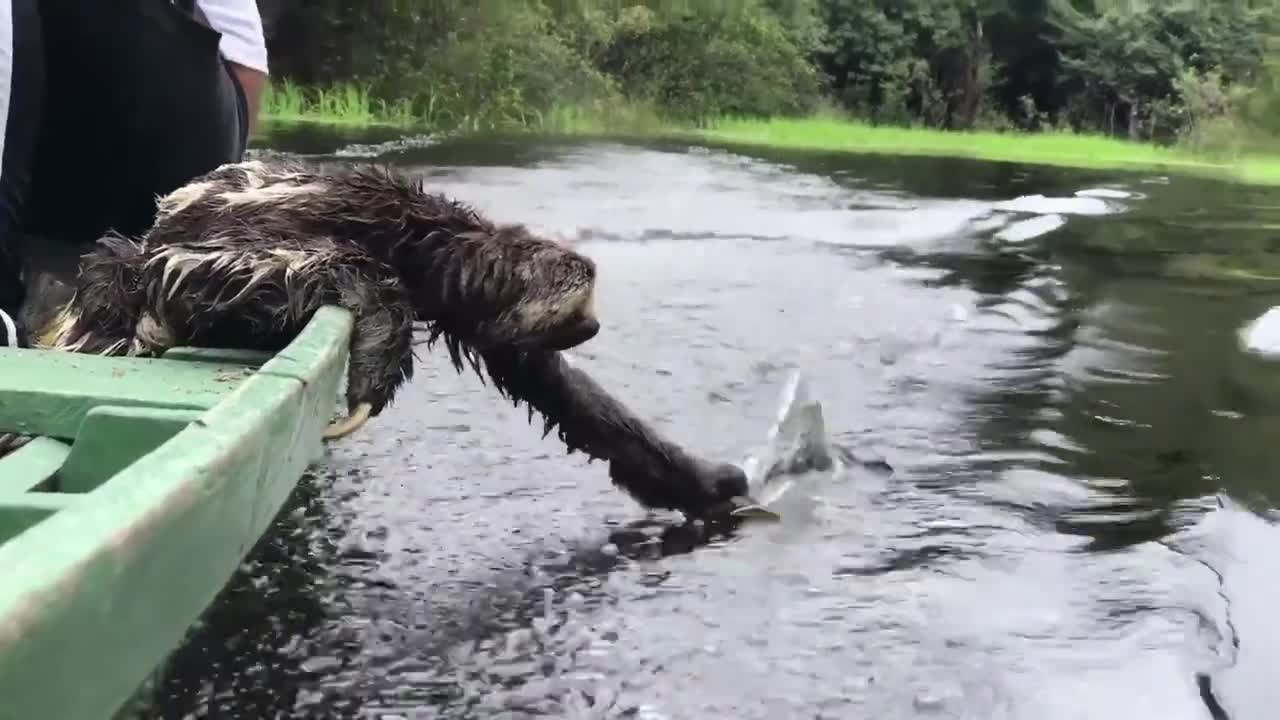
[603, 119]
[344, 105]
[1062, 149]
[351, 106]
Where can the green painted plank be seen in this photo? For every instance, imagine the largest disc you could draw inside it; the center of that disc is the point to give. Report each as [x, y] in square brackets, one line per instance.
[31, 464]
[44, 501]
[252, 358]
[121, 578]
[48, 392]
[317, 358]
[111, 438]
[96, 596]
[21, 512]
[16, 519]
[325, 338]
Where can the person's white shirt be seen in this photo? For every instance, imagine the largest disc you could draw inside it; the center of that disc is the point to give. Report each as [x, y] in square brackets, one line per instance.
[243, 40]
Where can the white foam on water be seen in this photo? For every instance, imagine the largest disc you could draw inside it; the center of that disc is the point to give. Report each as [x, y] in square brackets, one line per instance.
[1112, 193]
[1044, 205]
[892, 227]
[1031, 228]
[366, 151]
[995, 221]
[1262, 335]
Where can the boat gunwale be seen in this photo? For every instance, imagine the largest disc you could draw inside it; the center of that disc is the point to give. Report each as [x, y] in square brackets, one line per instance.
[91, 545]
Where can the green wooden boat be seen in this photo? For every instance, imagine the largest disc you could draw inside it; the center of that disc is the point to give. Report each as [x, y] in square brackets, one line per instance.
[147, 483]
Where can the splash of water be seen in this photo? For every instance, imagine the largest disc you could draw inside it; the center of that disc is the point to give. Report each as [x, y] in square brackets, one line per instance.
[797, 448]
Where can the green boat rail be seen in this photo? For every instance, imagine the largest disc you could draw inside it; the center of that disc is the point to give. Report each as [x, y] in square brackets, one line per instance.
[147, 483]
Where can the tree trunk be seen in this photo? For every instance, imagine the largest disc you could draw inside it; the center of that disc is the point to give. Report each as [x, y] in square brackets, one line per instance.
[958, 72]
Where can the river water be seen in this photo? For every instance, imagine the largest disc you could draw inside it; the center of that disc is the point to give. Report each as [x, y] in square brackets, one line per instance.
[1077, 523]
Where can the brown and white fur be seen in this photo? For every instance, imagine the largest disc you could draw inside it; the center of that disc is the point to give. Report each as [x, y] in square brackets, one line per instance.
[244, 255]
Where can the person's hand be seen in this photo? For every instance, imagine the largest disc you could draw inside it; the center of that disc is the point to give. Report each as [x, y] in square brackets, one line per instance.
[12, 333]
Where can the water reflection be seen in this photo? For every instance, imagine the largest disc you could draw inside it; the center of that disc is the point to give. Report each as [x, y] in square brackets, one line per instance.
[1062, 400]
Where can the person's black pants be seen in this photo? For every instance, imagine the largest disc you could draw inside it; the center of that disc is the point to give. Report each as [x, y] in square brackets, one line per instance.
[22, 42]
[136, 101]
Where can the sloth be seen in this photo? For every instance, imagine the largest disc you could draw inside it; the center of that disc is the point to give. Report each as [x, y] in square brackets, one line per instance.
[243, 256]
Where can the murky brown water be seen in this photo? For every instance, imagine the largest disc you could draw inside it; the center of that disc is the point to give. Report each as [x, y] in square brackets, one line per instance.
[1053, 374]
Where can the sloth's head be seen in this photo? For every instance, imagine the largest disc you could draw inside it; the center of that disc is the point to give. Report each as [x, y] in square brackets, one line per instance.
[502, 286]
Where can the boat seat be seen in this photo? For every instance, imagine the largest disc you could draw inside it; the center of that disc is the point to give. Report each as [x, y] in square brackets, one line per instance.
[30, 465]
[49, 392]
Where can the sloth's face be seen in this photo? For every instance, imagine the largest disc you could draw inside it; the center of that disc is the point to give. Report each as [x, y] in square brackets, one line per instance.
[514, 289]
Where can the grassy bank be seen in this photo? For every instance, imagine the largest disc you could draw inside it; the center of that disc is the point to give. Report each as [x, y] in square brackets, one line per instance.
[1045, 148]
[352, 107]
[344, 105]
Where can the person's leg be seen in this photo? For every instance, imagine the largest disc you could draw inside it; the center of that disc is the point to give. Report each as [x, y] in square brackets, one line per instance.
[140, 102]
[21, 96]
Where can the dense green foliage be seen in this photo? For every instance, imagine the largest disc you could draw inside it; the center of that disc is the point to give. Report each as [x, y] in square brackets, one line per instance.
[1194, 71]
[511, 61]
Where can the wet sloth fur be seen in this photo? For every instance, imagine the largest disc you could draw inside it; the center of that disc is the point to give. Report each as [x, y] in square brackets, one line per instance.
[243, 256]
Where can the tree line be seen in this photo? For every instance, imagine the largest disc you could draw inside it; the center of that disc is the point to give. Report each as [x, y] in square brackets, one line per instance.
[1148, 70]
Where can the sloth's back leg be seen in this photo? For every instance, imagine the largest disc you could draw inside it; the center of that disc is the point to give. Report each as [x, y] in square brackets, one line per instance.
[261, 298]
[102, 312]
